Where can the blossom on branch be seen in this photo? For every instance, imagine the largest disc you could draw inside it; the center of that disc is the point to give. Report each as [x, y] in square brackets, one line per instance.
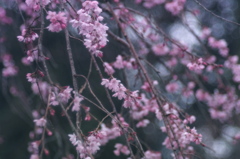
[88, 23]
[35, 4]
[58, 21]
[27, 36]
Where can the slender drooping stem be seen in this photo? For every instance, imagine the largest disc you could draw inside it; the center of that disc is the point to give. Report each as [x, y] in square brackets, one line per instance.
[40, 47]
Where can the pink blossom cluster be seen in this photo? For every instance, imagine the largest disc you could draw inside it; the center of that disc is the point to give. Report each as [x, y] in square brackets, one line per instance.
[172, 87]
[143, 27]
[179, 134]
[206, 32]
[9, 67]
[175, 7]
[32, 77]
[93, 142]
[27, 36]
[152, 155]
[120, 148]
[108, 68]
[160, 49]
[142, 123]
[141, 106]
[115, 86]
[61, 97]
[58, 21]
[232, 64]
[36, 4]
[146, 86]
[41, 88]
[88, 23]
[124, 13]
[150, 3]
[76, 102]
[40, 122]
[110, 132]
[196, 66]
[33, 148]
[221, 45]
[88, 147]
[222, 106]
[121, 92]
[119, 64]
[31, 56]
[188, 90]
[211, 61]
[114, 130]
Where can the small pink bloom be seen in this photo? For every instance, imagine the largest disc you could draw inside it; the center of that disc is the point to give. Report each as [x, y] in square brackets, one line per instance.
[40, 122]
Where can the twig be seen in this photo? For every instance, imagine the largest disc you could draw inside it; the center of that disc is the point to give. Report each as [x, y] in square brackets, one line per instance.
[40, 48]
[219, 17]
[44, 130]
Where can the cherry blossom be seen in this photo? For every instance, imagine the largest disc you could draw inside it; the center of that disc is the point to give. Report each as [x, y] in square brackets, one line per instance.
[76, 103]
[121, 149]
[196, 66]
[27, 36]
[40, 122]
[35, 4]
[58, 21]
[88, 23]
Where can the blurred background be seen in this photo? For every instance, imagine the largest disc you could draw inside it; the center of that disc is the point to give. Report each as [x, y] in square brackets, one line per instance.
[17, 100]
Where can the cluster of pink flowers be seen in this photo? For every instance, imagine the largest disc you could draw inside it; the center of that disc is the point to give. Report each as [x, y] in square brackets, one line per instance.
[115, 86]
[120, 148]
[146, 86]
[175, 7]
[188, 91]
[92, 143]
[32, 77]
[221, 45]
[142, 123]
[108, 68]
[110, 132]
[172, 87]
[62, 97]
[119, 64]
[196, 66]
[33, 148]
[88, 147]
[152, 155]
[221, 106]
[58, 21]
[40, 122]
[160, 49]
[88, 23]
[232, 64]
[183, 135]
[35, 4]
[31, 56]
[27, 36]
[41, 87]
[76, 102]
[150, 3]
[9, 67]
[206, 32]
